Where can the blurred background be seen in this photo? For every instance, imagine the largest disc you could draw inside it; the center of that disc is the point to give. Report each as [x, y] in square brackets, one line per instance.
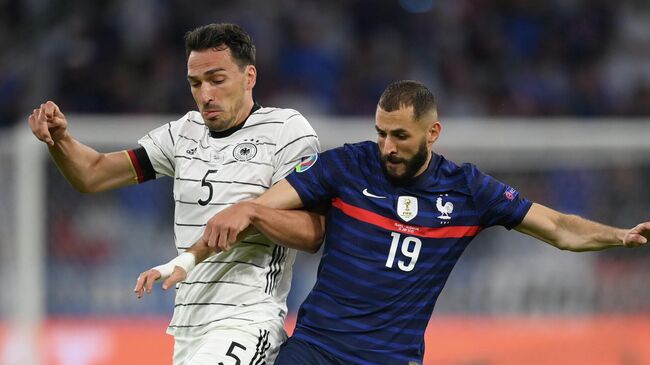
[552, 97]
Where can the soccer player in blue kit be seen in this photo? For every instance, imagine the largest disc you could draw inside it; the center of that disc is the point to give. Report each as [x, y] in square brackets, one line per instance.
[397, 218]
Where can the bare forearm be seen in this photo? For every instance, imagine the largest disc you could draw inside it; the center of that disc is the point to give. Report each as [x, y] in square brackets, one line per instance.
[200, 250]
[579, 234]
[297, 229]
[569, 232]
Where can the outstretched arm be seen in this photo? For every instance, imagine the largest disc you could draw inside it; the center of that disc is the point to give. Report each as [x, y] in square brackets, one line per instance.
[85, 169]
[573, 233]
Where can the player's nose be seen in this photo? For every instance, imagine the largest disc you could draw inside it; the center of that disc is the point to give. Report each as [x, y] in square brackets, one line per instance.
[206, 94]
[389, 146]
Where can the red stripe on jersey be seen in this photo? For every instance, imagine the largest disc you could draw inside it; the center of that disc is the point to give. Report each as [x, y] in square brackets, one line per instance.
[393, 225]
[136, 166]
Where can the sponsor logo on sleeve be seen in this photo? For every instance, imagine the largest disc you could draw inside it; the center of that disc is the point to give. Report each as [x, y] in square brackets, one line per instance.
[510, 193]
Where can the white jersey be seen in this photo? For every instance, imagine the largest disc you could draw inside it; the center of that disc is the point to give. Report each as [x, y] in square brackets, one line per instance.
[248, 284]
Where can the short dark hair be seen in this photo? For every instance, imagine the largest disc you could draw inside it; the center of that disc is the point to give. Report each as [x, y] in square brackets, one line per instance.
[407, 93]
[222, 35]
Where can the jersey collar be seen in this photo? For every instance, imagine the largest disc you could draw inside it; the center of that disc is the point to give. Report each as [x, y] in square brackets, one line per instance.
[230, 131]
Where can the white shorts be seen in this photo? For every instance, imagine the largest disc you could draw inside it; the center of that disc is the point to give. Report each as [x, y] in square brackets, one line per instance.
[230, 346]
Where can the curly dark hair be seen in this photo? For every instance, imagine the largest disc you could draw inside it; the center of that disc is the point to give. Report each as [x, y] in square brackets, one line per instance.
[222, 36]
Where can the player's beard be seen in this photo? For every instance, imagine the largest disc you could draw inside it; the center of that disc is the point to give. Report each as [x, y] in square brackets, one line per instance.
[413, 165]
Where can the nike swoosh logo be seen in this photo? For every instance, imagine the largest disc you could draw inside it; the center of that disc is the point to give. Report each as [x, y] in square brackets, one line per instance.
[368, 194]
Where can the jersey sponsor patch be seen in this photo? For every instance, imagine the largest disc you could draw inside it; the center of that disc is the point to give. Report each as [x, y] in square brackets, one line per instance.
[306, 163]
[244, 151]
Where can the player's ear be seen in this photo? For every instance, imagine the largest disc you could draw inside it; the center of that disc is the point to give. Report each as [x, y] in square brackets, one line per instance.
[433, 132]
[251, 76]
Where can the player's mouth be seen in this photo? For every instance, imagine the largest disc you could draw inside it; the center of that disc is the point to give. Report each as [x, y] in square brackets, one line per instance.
[210, 114]
[393, 161]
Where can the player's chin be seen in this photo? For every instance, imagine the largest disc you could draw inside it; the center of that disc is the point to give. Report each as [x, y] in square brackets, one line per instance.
[215, 124]
[395, 170]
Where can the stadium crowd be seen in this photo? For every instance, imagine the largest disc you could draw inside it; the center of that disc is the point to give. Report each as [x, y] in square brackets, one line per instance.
[502, 58]
[481, 58]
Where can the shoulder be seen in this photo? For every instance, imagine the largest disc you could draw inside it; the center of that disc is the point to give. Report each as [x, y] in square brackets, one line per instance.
[279, 123]
[354, 150]
[271, 115]
[352, 156]
[472, 172]
[190, 125]
[449, 175]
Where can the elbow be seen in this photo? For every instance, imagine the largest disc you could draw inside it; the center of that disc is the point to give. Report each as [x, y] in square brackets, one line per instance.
[313, 243]
[571, 247]
[314, 246]
[85, 187]
[563, 246]
[80, 187]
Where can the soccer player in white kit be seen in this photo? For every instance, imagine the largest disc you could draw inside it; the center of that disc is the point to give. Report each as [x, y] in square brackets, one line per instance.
[231, 308]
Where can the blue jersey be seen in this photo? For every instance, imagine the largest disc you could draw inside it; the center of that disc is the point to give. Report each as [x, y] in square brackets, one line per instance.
[390, 249]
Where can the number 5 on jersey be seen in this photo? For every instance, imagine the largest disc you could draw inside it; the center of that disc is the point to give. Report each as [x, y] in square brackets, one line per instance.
[411, 253]
[205, 183]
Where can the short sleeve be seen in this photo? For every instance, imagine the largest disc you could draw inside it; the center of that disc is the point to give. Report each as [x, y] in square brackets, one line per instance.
[496, 202]
[159, 144]
[296, 141]
[312, 180]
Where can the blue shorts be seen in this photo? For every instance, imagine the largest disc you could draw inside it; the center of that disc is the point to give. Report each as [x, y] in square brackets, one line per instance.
[296, 351]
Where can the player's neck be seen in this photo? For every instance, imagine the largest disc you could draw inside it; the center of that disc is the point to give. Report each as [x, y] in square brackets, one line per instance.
[245, 111]
[237, 126]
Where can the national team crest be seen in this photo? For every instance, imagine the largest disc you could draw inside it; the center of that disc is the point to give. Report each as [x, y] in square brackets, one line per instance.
[244, 151]
[407, 207]
[445, 208]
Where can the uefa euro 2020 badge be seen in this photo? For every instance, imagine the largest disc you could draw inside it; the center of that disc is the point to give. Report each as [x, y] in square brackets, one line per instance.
[407, 207]
[306, 163]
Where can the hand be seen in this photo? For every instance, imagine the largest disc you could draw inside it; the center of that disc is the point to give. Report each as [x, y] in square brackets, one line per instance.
[637, 236]
[48, 123]
[225, 228]
[148, 278]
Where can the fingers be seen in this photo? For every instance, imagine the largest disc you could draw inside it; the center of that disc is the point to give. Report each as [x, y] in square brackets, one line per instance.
[44, 119]
[176, 277]
[223, 240]
[644, 228]
[145, 282]
[50, 110]
[213, 238]
[233, 235]
[39, 126]
[138, 286]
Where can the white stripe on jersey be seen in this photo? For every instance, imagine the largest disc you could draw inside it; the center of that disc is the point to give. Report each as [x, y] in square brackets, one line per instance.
[248, 284]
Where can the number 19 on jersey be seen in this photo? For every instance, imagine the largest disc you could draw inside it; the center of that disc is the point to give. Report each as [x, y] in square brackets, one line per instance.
[410, 248]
